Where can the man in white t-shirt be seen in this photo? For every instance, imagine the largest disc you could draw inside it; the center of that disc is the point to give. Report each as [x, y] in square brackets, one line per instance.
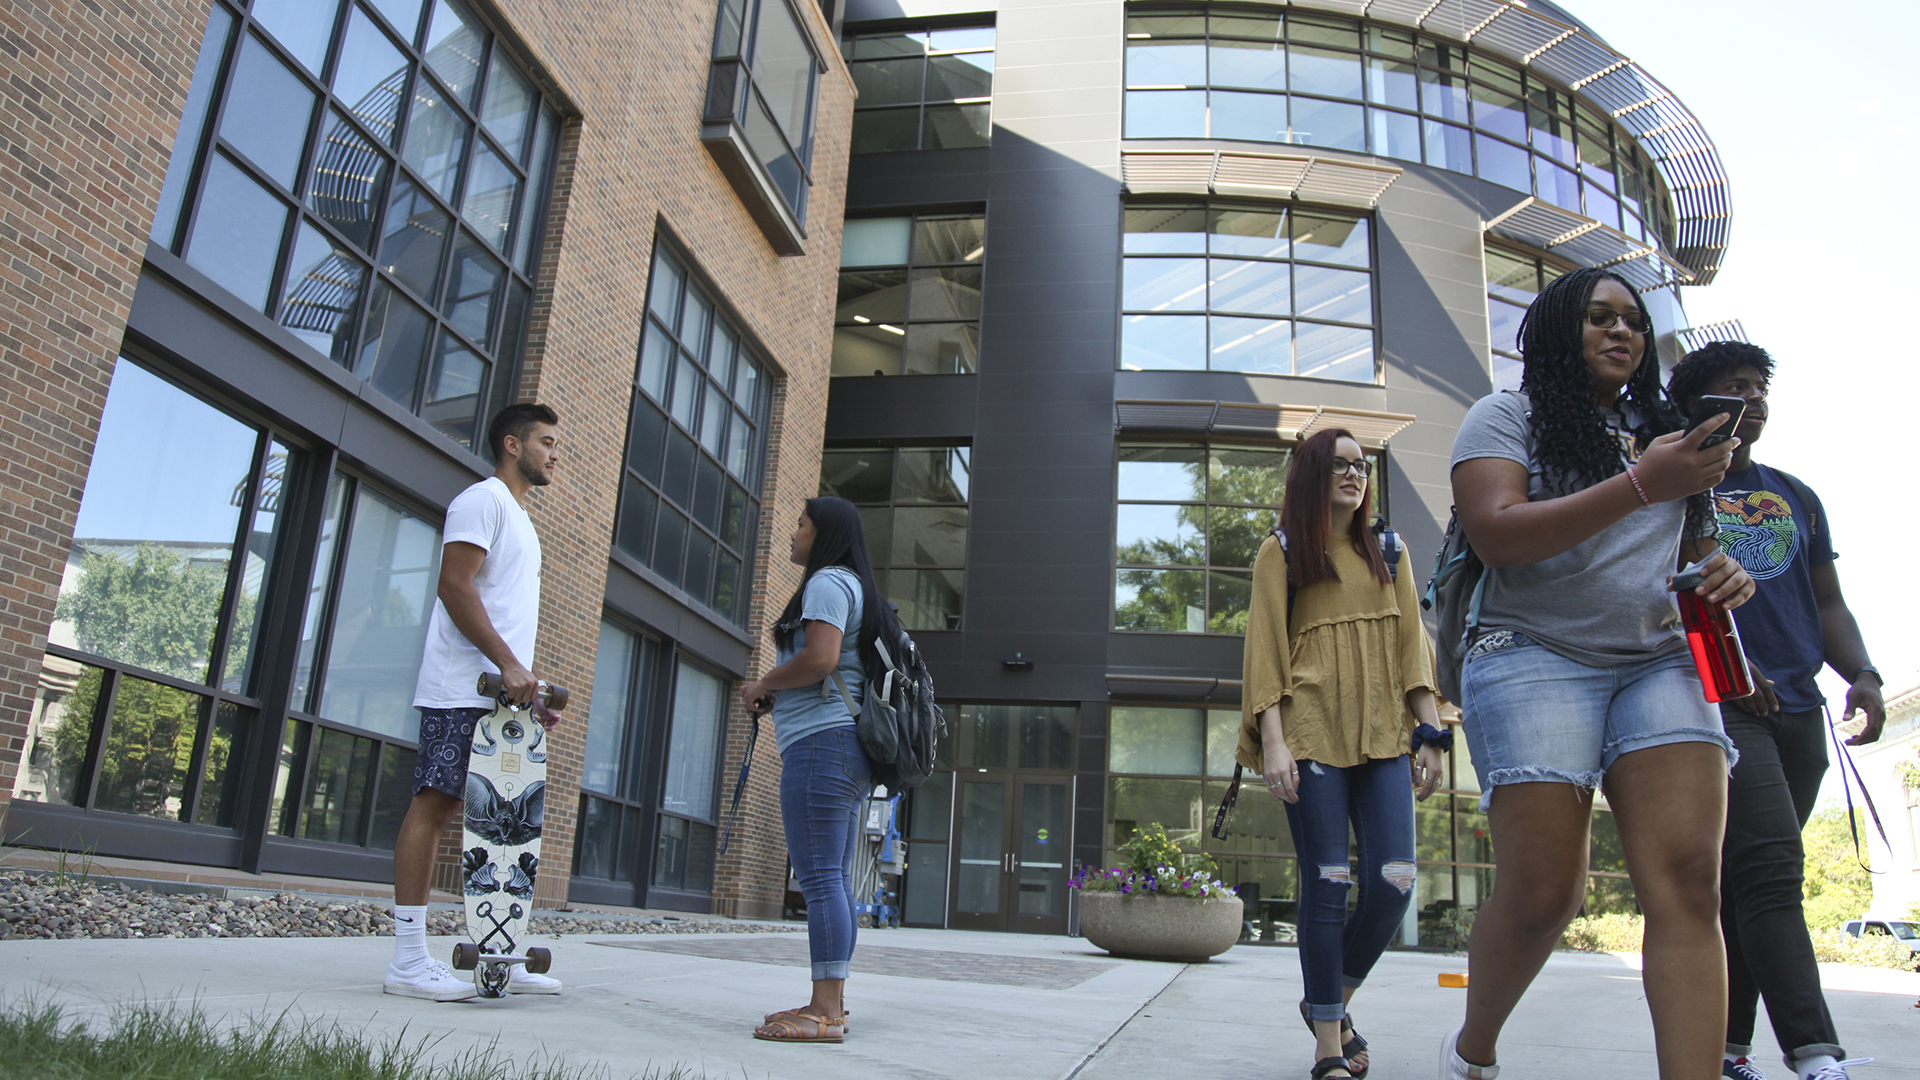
[486, 618]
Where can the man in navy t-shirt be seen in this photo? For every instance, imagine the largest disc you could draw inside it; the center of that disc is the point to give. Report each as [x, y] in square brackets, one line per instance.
[1796, 623]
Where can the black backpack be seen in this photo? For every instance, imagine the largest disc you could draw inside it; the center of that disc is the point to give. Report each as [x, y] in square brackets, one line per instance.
[1454, 594]
[901, 725]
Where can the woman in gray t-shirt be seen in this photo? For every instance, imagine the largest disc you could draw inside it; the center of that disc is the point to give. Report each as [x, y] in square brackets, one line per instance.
[1583, 496]
[824, 641]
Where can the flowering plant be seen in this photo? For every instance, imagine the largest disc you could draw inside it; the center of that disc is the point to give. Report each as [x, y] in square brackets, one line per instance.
[1154, 866]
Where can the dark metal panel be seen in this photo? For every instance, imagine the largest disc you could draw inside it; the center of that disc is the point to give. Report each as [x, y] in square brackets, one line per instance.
[918, 180]
[595, 891]
[283, 855]
[922, 407]
[125, 836]
[1208, 656]
[631, 592]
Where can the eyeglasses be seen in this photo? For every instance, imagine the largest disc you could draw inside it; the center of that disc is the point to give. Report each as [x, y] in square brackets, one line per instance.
[1606, 318]
[1361, 469]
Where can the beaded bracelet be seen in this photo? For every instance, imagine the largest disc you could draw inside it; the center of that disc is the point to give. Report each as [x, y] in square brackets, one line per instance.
[1428, 735]
[1637, 489]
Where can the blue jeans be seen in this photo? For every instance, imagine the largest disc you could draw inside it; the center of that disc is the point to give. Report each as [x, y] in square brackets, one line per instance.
[823, 779]
[1336, 950]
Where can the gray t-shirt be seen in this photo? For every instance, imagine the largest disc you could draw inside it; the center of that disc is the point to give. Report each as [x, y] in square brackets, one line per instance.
[1604, 602]
[832, 596]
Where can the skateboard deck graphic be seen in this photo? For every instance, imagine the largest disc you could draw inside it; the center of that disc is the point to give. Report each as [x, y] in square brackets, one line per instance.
[505, 804]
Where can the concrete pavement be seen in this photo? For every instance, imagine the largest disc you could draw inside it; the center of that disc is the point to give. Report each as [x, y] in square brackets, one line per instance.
[929, 1004]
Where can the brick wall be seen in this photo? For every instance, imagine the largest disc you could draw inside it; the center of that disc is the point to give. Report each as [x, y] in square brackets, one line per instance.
[89, 101]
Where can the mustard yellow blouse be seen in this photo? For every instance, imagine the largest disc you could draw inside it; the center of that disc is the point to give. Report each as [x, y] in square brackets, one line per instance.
[1342, 675]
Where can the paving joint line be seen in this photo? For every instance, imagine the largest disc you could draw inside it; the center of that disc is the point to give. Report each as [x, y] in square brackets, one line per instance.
[1135, 1015]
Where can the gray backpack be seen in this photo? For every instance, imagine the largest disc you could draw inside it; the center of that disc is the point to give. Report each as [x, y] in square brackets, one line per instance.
[1454, 594]
[899, 722]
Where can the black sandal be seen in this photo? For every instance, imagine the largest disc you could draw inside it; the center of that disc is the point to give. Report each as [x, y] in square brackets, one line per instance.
[1326, 1065]
[1351, 1048]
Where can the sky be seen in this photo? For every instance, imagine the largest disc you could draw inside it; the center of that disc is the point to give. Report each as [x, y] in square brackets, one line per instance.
[1824, 264]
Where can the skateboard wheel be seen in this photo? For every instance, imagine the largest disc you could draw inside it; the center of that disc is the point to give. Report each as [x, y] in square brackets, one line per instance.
[557, 697]
[539, 960]
[466, 955]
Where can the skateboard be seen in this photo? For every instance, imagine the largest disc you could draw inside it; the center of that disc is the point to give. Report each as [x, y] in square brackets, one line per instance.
[505, 804]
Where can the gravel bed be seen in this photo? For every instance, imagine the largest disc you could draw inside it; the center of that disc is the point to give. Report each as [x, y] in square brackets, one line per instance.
[46, 906]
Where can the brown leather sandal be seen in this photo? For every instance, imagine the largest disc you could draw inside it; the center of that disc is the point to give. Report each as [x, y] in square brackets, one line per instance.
[788, 1029]
[785, 1013]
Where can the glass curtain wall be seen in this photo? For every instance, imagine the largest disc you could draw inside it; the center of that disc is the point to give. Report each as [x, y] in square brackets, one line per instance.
[146, 702]
[345, 772]
[1265, 290]
[1513, 280]
[690, 504]
[913, 506]
[921, 89]
[1196, 71]
[910, 295]
[373, 176]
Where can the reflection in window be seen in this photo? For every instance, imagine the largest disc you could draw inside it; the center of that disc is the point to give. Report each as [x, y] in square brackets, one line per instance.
[913, 503]
[689, 800]
[404, 122]
[1513, 281]
[690, 503]
[1012, 737]
[927, 89]
[1268, 290]
[1322, 80]
[909, 295]
[764, 81]
[611, 781]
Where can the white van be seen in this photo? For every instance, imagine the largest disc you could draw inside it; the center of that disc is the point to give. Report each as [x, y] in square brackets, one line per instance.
[1907, 932]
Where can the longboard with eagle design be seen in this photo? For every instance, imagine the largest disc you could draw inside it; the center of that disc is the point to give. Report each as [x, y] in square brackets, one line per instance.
[500, 846]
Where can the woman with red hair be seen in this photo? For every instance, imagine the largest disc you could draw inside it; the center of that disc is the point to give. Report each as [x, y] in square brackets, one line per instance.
[1338, 694]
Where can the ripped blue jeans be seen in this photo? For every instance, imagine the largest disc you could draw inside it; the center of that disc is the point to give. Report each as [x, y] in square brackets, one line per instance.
[1532, 715]
[1338, 949]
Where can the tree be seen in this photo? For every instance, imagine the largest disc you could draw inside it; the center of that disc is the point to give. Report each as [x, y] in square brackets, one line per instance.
[1838, 887]
[158, 610]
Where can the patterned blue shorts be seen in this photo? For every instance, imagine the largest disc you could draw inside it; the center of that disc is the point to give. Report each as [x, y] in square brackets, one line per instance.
[446, 738]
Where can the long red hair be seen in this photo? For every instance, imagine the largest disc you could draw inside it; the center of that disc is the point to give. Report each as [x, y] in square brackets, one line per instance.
[1306, 514]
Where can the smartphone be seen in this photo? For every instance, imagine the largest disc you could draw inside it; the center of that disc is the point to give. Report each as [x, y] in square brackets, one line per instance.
[1712, 405]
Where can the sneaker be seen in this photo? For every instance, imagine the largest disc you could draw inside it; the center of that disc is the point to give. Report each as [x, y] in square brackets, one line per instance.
[1837, 1070]
[434, 981]
[1740, 1069]
[526, 982]
[1455, 1067]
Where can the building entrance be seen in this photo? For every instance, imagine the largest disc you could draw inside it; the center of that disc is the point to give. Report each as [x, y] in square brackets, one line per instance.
[1011, 851]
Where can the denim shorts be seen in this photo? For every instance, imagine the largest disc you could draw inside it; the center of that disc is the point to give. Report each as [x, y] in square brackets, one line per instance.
[446, 738]
[1533, 715]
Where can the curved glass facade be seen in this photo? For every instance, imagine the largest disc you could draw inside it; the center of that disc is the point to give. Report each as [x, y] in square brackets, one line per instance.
[1259, 75]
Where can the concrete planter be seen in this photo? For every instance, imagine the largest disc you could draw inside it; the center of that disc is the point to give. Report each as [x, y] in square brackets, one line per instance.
[1183, 928]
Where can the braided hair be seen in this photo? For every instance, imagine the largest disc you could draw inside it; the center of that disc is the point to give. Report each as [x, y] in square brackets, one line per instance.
[1575, 445]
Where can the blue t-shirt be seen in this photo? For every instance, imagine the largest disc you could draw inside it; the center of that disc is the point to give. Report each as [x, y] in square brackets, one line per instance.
[1766, 527]
[832, 596]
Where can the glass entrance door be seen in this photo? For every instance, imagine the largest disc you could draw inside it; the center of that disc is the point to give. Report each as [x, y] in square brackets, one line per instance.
[1011, 859]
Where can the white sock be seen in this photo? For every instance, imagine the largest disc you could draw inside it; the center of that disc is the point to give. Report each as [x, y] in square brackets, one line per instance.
[1811, 1064]
[1738, 1054]
[409, 937]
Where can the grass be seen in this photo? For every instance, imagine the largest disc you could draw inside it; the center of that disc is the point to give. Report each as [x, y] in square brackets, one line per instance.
[168, 1042]
[1621, 934]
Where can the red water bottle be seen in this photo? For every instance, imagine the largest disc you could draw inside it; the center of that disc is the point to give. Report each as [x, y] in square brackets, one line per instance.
[1715, 640]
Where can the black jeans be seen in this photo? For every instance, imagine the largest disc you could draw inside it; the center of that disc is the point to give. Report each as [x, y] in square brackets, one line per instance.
[1762, 865]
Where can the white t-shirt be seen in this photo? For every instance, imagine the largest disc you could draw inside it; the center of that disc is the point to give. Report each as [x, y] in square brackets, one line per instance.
[487, 516]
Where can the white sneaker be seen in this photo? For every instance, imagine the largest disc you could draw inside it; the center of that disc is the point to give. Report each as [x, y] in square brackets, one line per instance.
[433, 981]
[526, 982]
[1837, 1070]
[1455, 1067]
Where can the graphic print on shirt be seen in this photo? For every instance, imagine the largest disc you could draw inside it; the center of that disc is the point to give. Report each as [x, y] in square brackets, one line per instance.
[1757, 530]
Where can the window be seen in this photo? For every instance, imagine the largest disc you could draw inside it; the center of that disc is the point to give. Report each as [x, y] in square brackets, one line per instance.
[1513, 281]
[388, 213]
[910, 295]
[1190, 521]
[926, 89]
[1321, 80]
[612, 779]
[690, 797]
[759, 113]
[913, 504]
[1266, 290]
[690, 503]
[145, 703]
[347, 753]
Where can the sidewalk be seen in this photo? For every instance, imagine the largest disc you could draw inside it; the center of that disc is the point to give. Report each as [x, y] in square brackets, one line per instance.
[929, 1003]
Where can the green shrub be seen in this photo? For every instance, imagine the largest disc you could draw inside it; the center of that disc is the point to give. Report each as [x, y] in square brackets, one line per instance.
[1605, 933]
[1622, 934]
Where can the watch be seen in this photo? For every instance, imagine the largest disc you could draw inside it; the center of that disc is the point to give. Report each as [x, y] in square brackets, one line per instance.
[1869, 669]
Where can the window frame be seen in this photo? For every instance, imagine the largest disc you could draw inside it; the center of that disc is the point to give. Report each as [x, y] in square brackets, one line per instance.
[519, 257]
[925, 29]
[733, 90]
[883, 567]
[908, 322]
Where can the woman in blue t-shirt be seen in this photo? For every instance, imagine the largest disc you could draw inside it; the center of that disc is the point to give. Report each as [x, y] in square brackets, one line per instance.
[824, 641]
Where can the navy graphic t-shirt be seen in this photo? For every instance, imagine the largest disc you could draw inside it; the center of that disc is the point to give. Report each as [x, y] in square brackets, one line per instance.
[1764, 526]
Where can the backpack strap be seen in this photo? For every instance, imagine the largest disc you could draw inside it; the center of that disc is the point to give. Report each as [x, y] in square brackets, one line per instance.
[1801, 492]
[1390, 546]
[1280, 534]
